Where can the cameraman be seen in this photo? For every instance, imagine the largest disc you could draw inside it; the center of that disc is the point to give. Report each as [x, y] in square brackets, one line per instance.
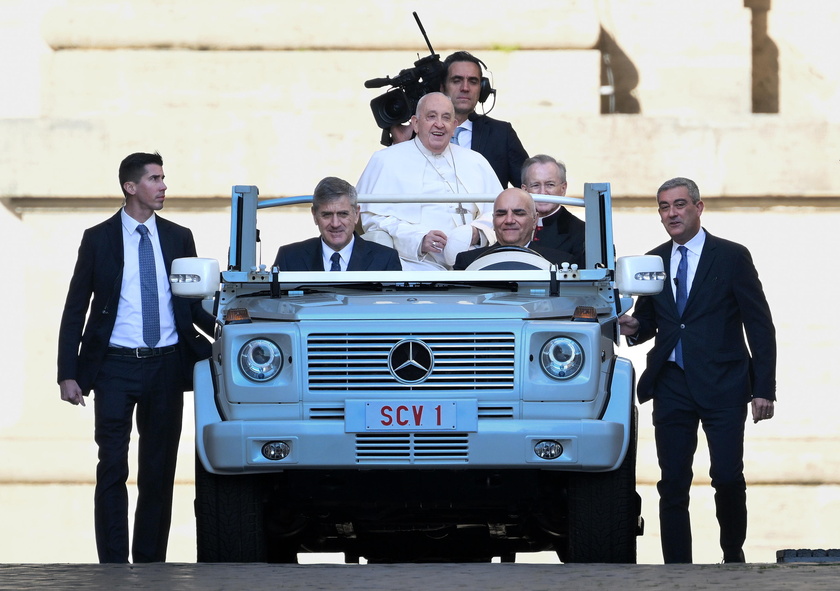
[495, 140]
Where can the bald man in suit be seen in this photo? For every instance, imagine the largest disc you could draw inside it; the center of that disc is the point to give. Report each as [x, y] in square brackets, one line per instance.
[514, 218]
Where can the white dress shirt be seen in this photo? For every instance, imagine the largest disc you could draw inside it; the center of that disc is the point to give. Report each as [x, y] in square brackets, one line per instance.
[128, 327]
[694, 248]
[465, 136]
[344, 254]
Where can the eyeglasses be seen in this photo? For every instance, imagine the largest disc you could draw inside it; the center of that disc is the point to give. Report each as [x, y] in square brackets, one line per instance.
[543, 188]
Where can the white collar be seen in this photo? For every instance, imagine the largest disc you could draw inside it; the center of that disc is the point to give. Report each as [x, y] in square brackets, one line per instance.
[130, 224]
[694, 246]
[344, 253]
[428, 153]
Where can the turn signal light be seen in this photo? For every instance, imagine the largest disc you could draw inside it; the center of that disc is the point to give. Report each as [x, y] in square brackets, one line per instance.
[237, 316]
[585, 314]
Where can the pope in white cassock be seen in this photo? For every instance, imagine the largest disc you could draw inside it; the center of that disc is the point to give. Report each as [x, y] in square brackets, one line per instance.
[430, 235]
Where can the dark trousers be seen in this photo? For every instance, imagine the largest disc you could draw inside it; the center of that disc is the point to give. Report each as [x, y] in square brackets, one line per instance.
[676, 416]
[153, 387]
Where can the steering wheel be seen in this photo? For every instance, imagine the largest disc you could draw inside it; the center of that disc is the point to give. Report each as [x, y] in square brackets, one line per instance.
[509, 257]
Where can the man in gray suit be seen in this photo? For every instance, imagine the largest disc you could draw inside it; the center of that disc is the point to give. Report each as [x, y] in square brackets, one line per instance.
[338, 248]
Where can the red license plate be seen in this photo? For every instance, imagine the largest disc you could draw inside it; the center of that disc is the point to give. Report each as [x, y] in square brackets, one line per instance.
[437, 415]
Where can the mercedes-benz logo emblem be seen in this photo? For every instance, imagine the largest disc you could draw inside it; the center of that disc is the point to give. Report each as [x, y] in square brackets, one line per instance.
[411, 361]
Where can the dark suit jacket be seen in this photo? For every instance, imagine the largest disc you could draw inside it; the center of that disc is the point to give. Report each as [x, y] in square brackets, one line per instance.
[726, 299]
[498, 143]
[563, 231]
[366, 256]
[98, 273]
[464, 259]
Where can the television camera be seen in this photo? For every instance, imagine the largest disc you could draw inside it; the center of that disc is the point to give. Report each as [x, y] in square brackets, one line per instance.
[397, 105]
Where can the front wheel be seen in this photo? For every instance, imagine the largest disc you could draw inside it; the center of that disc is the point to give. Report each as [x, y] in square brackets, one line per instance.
[604, 513]
[229, 517]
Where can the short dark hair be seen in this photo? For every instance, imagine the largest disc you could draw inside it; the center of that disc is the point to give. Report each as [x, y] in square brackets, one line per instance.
[460, 56]
[693, 190]
[133, 167]
[331, 188]
[543, 159]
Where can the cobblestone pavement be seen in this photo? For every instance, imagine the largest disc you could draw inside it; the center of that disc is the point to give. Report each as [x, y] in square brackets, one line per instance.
[487, 577]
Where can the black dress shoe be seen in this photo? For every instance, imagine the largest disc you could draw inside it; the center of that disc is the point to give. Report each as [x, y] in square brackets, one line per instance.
[734, 558]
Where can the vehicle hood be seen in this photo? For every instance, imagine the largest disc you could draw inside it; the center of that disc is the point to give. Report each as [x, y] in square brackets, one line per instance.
[402, 305]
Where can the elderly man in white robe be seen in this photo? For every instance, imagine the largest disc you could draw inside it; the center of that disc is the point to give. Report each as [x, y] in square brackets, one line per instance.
[428, 236]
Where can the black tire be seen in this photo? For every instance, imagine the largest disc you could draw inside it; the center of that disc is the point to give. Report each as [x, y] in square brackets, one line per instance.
[229, 517]
[604, 513]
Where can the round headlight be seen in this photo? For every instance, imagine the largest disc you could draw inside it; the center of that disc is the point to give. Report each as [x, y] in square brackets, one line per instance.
[260, 360]
[561, 358]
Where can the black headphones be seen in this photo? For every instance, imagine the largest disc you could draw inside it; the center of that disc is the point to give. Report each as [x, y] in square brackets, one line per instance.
[485, 88]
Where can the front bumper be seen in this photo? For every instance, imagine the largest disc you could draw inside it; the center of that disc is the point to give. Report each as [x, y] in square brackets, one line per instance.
[234, 447]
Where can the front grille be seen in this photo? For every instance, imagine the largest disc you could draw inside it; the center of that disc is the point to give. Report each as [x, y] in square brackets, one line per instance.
[412, 448]
[329, 413]
[462, 361]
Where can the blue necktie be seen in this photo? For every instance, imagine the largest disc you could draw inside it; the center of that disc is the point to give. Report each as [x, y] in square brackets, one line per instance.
[454, 138]
[682, 295]
[148, 289]
[335, 260]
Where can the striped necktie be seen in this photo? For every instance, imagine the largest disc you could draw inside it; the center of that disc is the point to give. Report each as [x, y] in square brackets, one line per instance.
[148, 289]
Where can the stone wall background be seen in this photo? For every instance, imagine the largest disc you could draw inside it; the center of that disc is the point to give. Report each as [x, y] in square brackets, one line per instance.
[271, 93]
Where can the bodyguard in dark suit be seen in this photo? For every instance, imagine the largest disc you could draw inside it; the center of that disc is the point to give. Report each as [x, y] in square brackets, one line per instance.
[700, 370]
[137, 350]
[495, 140]
[514, 216]
[338, 248]
[556, 227]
